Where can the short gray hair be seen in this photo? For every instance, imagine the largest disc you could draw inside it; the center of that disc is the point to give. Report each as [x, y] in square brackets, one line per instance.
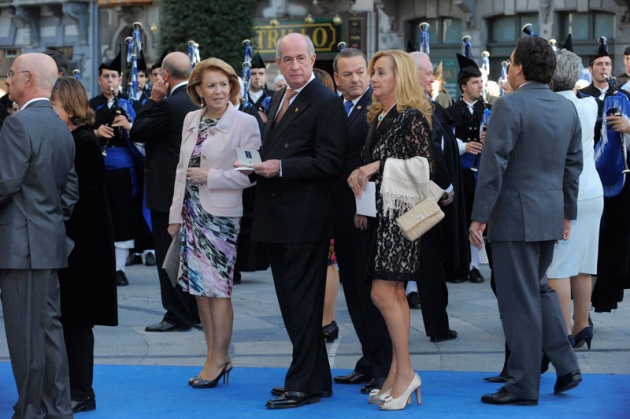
[567, 72]
[309, 45]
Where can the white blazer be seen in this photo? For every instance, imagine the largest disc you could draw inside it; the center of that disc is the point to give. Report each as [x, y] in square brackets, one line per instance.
[222, 194]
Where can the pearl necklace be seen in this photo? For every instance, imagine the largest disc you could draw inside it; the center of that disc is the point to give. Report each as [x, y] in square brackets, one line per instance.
[384, 113]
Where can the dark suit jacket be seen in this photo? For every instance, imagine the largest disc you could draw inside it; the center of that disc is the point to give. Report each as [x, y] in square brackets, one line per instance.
[310, 142]
[345, 203]
[159, 126]
[38, 188]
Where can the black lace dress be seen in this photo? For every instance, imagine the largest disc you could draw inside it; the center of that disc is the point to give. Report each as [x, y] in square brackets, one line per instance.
[401, 136]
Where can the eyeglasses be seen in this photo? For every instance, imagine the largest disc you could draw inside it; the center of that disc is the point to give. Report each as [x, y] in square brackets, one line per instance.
[12, 73]
[110, 76]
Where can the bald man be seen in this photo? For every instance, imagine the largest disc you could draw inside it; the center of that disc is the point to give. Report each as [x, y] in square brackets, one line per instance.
[38, 187]
[159, 126]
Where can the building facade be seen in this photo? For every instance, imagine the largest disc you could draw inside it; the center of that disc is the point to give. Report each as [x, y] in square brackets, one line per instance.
[92, 31]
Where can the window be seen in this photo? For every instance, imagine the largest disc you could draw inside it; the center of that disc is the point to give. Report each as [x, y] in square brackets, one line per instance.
[507, 29]
[587, 26]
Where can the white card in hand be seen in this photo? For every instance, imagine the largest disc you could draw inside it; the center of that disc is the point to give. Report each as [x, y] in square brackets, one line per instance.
[247, 158]
[366, 203]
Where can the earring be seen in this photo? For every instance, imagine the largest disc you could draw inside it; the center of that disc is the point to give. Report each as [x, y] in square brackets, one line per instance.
[202, 101]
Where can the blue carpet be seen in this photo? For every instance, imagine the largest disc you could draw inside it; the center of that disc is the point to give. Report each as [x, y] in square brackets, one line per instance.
[162, 392]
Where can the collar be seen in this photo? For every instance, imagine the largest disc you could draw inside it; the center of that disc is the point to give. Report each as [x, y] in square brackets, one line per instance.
[176, 86]
[355, 101]
[33, 100]
[469, 104]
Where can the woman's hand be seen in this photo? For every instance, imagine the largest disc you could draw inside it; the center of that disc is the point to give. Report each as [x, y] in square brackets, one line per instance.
[360, 177]
[197, 176]
[237, 164]
[174, 229]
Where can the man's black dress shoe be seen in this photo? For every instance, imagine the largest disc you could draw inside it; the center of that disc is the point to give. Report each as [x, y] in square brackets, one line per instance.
[503, 396]
[133, 259]
[279, 391]
[292, 399]
[83, 405]
[352, 378]
[497, 378]
[567, 382]
[121, 279]
[413, 298]
[149, 259]
[164, 326]
[375, 383]
[475, 276]
[449, 335]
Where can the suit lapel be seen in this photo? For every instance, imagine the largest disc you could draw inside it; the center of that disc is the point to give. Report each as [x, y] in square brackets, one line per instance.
[301, 102]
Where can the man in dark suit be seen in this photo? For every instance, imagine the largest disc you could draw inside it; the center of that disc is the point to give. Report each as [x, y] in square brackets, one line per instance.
[38, 187]
[303, 151]
[351, 236]
[432, 286]
[525, 219]
[159, 127]
[467, 114]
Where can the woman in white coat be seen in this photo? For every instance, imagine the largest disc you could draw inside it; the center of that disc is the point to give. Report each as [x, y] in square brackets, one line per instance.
[207, 206]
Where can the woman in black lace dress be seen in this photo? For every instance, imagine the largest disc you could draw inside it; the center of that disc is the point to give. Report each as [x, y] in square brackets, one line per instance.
[399, 118]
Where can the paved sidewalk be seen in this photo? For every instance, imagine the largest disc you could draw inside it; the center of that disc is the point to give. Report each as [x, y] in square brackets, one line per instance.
[259, 338]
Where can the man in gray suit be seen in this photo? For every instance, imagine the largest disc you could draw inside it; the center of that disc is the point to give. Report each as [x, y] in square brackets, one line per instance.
[527, 194]
[38, 187]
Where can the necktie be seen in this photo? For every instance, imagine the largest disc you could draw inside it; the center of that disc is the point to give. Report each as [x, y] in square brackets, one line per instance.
[285, 105]
[348, 104]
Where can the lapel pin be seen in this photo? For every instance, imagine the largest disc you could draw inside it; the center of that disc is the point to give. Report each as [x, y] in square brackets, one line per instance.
[297, 109]
[359, 107]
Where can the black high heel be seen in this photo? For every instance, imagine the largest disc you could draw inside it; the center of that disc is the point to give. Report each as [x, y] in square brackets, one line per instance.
[584, 336]
[225, 373]
[331, 332]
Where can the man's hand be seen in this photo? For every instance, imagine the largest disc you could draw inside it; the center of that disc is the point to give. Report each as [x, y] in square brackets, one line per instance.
[618, 124]
[159, 91]
[268, 168]
[567, 230]
[474, 147]
[104, 131]
[475, 234]
[360, 222]
[122, 121]
[447, 198]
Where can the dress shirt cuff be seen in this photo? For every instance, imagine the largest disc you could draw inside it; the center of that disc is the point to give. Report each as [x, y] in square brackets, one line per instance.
[449, 189]
[461, 146]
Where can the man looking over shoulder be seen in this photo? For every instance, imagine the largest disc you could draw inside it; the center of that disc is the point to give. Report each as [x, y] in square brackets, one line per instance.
[303, 152]
[38, 188]
[525, 220]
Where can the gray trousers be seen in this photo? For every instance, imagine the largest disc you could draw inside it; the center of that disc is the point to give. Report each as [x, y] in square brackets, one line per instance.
[30, 305]
[531, 314]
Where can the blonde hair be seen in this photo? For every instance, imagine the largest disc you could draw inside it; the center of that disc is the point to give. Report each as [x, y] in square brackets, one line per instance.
[213, 64]
[408, 92]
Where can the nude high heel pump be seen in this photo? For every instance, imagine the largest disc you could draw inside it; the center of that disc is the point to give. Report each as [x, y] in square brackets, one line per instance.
[404, 399]
[376, 398]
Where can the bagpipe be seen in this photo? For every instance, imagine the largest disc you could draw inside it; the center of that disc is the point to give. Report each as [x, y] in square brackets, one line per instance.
[611, 154]
[468, 160]
[134, 46]
[424, 38]
[503, 78]
[246, 74]
[193, 53]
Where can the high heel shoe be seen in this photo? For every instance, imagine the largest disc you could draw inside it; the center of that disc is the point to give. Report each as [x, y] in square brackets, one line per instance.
[583, 336]
[191, 380]
[404, 399]
[331, 332]
[225, 373]
[376, 398]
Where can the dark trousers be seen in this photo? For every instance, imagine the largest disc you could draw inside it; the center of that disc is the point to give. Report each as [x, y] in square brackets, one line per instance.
[352, 252]
[80, 348]
[432, 284]
[181, 307]
[31, 309]
[299, 275]
[530, 314]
